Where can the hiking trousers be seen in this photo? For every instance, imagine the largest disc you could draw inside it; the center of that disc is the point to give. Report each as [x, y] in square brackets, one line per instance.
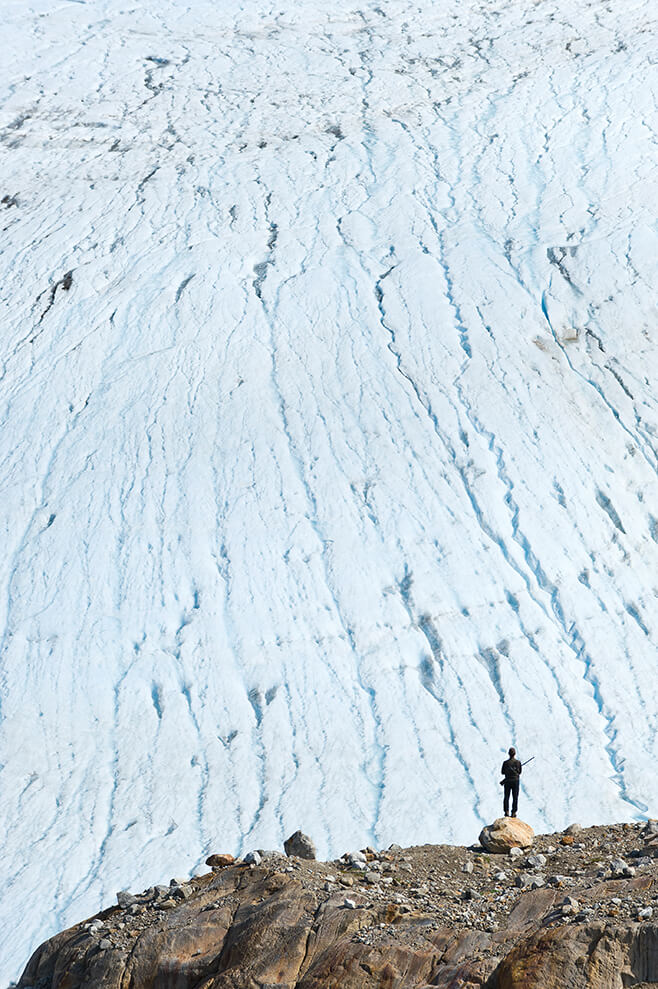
[510, 786]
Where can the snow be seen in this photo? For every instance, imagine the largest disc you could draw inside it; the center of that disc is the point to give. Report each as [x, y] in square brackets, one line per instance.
[331, 469]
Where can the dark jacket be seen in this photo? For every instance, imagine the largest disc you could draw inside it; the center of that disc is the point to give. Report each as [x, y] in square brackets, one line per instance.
[511, 770]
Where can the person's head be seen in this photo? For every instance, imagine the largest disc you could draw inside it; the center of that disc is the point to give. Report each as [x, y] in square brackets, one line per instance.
[512, 752]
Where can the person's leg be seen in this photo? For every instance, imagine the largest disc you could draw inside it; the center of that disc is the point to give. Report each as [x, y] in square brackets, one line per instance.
[515, 797]
[506, 792]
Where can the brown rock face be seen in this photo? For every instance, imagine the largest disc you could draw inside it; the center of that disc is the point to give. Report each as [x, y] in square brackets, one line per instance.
[506, 833]
[427, 916]
[604, 956]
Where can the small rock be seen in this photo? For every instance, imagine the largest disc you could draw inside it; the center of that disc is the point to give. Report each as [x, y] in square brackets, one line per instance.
[556, 881]
[126, 899]
[566, 839]
[252, 858]
[104, 944]
[300, 845]
[394, 848]
[349, 904]
[620, 869]
[515, 853]
[220, 861]
[573, 829]
[535, 861]
[467, 867]
[501, 876]
[645, 913]
[524, 880]
[167, 904]
[471, 894]
[372, 877]
[346, 881]
[570, 901]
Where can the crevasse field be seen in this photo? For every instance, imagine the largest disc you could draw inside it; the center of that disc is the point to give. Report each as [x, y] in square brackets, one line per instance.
[329, 430]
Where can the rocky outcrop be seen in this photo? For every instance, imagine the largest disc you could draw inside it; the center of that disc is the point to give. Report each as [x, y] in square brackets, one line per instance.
[427, 916]
[506, 833]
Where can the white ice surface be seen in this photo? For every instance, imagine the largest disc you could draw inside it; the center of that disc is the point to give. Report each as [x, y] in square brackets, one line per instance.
[334, 470]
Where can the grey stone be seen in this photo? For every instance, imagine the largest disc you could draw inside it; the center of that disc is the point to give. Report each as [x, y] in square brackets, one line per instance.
[252, 858]
[556, 881]
[126, 899]
[471, 894]
[645, 913]
[270, 855]
[535, 861]
[467, 867]
[574, 829]
[300, 845]
[621, 870]
[104, 944]
[524, 880]
[349, 904]
[516, 853]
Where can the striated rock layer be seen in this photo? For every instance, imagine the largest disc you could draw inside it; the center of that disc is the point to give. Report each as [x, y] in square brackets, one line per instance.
[433, 915]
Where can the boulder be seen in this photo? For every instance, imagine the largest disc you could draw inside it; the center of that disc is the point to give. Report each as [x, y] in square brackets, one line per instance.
[220, 861]
[126, 899]
[300, 845]
[506, 833]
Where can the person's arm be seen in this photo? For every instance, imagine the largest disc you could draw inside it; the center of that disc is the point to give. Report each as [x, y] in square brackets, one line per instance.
[520, 767]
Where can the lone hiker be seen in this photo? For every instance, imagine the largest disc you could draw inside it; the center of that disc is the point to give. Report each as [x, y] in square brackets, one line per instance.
[511, 771]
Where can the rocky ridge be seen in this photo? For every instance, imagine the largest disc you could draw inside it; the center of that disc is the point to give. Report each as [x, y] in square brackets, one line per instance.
[578, 909]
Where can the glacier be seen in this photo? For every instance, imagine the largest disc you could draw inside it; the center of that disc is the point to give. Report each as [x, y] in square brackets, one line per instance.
[329, 443]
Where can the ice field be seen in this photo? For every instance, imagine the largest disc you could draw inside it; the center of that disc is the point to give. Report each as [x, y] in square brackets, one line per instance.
[329, 430]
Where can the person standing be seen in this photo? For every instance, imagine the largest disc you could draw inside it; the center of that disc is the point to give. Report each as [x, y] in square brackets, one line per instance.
[511, 771]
